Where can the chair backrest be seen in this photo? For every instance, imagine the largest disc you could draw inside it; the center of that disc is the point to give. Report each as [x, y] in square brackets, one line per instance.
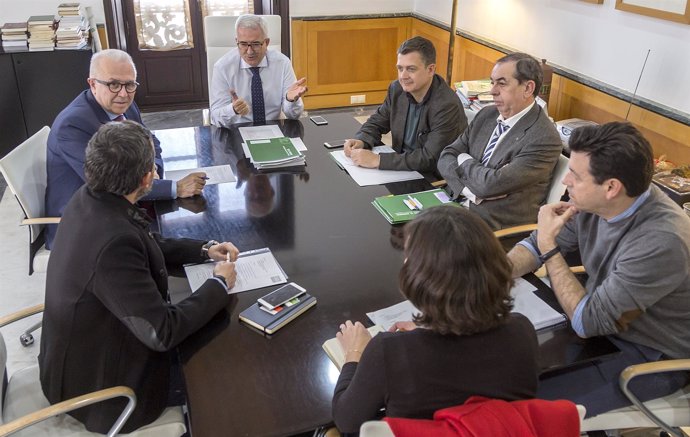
[219, 35]
[557, 189]
[24, 170]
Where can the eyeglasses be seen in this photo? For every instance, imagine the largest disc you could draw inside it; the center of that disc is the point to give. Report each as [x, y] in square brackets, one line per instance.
[115, 86]
[255, 45]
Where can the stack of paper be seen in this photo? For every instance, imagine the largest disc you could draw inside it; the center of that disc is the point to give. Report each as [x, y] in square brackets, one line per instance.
[217, 174]
[273, 153]
[404, 207]
[373, 176]
[14, 36]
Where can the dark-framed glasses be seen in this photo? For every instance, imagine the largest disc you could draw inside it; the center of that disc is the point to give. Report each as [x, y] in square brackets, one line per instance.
[255, 45]
[115, 86]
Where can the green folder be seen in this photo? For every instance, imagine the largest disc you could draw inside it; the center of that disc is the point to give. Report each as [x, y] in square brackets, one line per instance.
[273, 151]
[394, 209]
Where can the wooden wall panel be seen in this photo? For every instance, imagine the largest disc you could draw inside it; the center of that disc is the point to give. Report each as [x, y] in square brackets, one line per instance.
[570, 99]
[341, 58]
[474, 61]
[439, 37]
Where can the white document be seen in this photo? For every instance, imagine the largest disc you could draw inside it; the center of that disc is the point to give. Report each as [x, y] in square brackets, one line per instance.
[531, 306]
[255, 269]
[400, 312]
[373, 176]
[525, 302]
[261, 132]
[216, 174]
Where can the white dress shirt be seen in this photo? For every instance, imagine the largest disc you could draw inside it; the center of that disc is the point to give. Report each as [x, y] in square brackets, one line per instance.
[232, 72]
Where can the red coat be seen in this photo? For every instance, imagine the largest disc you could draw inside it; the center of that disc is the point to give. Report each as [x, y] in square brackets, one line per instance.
[480, 416]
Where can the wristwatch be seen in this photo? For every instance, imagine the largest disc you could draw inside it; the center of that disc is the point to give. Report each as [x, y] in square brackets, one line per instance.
[543, 258]
[206, 247]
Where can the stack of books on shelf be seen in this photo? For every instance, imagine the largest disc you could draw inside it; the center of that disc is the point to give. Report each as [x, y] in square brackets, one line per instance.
[475, 94]
[404, 207]
[72, 32]
[41, 32]
[273, 153]
[14, 36]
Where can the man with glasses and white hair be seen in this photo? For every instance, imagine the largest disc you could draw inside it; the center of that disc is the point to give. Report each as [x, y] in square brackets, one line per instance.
[110, 97]
[254, 84]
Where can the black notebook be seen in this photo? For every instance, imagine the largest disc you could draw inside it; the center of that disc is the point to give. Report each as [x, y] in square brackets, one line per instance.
[270, 323]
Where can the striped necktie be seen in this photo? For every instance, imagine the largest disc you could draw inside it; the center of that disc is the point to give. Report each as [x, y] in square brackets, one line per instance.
[257, 97]
[498, 131]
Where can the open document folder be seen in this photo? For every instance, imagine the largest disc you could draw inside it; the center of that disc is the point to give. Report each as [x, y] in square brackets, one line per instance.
[255, 269]
[525, 302]
[373, 176]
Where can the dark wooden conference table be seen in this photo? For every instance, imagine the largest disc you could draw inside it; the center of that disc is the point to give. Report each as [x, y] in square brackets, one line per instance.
[326, 235]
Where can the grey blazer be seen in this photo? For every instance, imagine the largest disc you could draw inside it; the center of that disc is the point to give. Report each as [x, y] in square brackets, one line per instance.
[441, 120]
[519, 171]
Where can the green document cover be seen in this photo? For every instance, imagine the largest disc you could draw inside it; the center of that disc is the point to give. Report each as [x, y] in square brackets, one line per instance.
[273, 150]
[394, 209]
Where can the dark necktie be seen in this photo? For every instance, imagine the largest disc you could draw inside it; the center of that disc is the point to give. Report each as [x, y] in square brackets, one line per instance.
[498, 131]
[120, 117]
[257, 97]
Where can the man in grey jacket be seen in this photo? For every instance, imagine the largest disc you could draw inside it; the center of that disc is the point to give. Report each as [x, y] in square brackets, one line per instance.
[635, 245]
[421, 112]
[504, 161]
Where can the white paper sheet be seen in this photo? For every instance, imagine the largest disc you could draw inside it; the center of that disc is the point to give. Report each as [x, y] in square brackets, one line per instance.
[216, 174]
[260, 132]
[531, 306]
[526, 303]
[255, 269]
[400, 312]
[373, 176]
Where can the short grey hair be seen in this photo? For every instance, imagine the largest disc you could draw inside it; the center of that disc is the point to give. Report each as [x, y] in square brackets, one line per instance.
[112, 54]
[251, 21]
[118, 156]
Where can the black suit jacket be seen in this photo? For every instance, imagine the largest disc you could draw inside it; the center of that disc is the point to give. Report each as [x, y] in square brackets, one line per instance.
[107, 321]
[441, 120]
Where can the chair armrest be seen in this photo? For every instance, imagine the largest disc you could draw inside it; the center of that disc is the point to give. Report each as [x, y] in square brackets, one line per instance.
[636, 370]
[21, 314]
[74, 404]
[41, 221]
[515, 230]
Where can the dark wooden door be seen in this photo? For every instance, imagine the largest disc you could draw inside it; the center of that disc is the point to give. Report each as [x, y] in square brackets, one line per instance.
[169, 78]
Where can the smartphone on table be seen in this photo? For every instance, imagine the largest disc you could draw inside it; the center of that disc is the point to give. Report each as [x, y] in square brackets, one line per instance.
[283, 294]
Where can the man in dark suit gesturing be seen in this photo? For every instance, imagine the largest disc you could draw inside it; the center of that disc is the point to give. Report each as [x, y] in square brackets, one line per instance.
[503, 162]
[107, 321]
[110, 97]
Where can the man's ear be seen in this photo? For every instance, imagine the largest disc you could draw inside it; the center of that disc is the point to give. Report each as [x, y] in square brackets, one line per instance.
[529, 87]
[431, 68]
[614, 187]
[148, 178]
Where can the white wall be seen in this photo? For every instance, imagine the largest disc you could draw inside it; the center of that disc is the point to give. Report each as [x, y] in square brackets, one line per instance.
[305, 8]
[15, 11]
[598, 41]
